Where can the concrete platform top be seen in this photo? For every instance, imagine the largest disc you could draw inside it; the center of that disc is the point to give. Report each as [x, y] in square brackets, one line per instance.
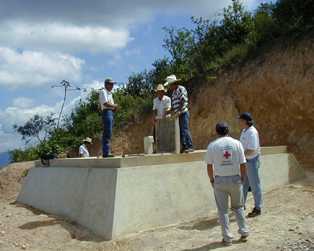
[142, 160]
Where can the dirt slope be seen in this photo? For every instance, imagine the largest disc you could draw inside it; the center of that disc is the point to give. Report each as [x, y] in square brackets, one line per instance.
[276, 87]
[286, 224]
[10, 179]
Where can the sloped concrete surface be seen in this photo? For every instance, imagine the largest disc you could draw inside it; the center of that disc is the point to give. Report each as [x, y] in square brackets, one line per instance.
[114, 202]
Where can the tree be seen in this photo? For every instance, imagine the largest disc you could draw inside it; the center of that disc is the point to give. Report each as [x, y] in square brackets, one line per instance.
[139, 85]
[38, 127]
[179, 43]
[196, 55]
[161, 69]
[294, 15]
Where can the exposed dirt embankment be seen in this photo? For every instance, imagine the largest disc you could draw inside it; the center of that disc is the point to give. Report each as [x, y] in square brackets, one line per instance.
[277, 88]
[10, 179]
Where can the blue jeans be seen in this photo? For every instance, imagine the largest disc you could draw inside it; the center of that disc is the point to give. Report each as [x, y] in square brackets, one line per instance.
[252, 180]
[185, 135]
[107, 119]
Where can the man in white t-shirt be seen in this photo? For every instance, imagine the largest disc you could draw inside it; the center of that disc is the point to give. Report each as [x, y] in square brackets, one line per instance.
[250, 141]
[83, 149]
[226, 170]
[108, 108]
[162, 103]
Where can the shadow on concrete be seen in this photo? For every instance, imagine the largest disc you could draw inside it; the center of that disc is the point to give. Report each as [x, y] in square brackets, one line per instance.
[296, 171]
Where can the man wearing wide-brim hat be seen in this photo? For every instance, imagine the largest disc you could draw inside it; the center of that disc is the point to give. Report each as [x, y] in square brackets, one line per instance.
[83, 150]
[162, 103]
[180, 108]
[108, 108]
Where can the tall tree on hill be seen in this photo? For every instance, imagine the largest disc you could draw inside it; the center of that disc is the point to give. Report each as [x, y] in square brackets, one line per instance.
[37, 127]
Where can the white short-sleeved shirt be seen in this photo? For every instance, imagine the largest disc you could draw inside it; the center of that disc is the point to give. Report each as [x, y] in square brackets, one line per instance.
[161, 106]
[105, 96]
[250, 141]
[226, 154]
[83, 151]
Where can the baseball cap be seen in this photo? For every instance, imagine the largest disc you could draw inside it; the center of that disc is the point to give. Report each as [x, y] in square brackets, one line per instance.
[110, 81]
[246, 116]
[222, 128]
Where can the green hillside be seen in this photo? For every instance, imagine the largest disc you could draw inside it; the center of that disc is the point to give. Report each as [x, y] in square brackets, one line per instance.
[197, 56]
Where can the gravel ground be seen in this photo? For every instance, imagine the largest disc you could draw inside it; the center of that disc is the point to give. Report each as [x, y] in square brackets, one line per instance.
[287, 223]
[301, 244]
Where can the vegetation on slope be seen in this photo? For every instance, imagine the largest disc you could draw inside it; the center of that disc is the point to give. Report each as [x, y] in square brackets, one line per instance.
[197, 54]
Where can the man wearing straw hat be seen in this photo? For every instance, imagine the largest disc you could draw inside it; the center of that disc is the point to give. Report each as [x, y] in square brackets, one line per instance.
[83, 150]
[180, 108]
[162, 103]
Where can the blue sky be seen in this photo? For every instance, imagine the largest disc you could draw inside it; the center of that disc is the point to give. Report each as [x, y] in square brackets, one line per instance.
[43, 42]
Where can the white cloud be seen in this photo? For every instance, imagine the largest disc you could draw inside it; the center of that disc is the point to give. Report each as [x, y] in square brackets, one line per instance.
[95, 84]
[100, 26]
[62, 37]
[18, 115]
[23, 102]
[92, 26]
[9, 140]
[33, 68]
[108, 13]
[22, 109]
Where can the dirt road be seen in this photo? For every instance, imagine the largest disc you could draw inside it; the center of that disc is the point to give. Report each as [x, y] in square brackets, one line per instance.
[287, 223]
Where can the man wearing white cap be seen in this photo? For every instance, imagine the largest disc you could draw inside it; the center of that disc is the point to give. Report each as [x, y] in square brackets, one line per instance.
[180, 107]
[108, 108]
[162, 103]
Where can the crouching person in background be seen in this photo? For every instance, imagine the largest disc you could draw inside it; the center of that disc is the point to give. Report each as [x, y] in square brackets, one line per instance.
[226, 170]
[83, 150]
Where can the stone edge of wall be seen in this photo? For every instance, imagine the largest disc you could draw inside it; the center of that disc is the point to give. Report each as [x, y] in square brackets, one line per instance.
[143, 160]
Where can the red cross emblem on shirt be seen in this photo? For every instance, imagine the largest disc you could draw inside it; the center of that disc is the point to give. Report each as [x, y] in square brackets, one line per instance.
[227, 154]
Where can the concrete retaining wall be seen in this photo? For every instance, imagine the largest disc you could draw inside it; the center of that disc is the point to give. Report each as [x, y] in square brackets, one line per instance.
[134, 196]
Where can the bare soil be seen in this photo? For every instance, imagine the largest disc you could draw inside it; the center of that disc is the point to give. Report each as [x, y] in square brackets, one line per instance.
[287, 223]
[10, 179]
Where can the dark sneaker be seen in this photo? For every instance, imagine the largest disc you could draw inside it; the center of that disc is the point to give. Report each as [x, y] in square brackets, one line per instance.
[226, 243]
[109, 156]
[190, 150]
[256, 212]
[244, 238]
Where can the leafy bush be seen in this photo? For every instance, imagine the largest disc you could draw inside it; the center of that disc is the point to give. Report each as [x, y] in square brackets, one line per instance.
[196, 54]
[29, 154]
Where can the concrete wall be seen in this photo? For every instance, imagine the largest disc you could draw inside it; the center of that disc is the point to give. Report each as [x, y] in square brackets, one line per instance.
[114, 202]
[153, 196]
[85, 195]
